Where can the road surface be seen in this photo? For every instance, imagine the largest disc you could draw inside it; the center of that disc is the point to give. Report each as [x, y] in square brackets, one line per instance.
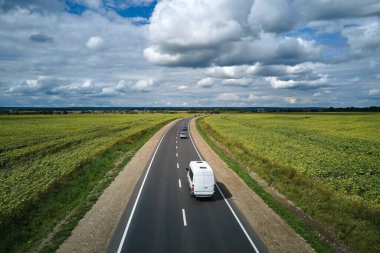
[163, 217]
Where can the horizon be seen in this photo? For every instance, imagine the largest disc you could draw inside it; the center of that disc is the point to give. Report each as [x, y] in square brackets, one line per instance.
[227, 108]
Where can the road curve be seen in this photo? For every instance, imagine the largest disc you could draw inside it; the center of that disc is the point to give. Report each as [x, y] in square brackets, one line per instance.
[162, 216]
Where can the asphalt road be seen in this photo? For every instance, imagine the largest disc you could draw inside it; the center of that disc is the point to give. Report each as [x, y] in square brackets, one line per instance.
[163, 217]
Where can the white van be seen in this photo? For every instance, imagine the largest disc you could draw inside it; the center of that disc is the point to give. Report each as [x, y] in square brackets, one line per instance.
[201, 179]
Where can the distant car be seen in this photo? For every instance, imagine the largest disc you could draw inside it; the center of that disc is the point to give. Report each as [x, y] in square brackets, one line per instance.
[183, 135]
[184, 128]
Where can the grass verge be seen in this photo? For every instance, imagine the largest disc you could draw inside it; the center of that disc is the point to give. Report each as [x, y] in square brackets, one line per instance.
[69, 200]
[297, 224]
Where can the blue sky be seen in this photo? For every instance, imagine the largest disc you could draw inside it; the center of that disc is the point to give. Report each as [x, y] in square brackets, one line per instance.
[122, 8]
[189, 53]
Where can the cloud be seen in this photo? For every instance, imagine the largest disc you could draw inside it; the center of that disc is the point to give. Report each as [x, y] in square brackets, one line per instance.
[86, 87]
[270, 49]
[296, 84]
[44, 85]
[40, 85]
[337, 9]
[182, 87]
[226, 35]
[40, 38]
[242, 82]
[272, 16]
[290, 100]
[144, 85]
[40, 6]
[95, 43]
[120, 88]
[172, 25]
[228, 97]
[257, 98]
[300, 71]
[123, 87]
[226, 72]
[374, 92]
[300, 76]
[206, 82]
[364, 38]
[195, 58]
[319, 52]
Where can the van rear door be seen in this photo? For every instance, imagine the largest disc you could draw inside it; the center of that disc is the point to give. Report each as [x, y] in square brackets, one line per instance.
[204, 183]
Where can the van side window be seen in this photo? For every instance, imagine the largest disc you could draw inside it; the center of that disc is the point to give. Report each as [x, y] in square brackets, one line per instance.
[191, 174]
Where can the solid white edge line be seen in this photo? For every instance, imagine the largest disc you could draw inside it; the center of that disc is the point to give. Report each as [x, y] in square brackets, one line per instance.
[138, 195]
[228, 204]
[184, 217]
[179, 183]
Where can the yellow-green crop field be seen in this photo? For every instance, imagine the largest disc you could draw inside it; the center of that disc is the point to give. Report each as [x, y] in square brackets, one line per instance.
[37, 151]
[333, 155]
[341, 150]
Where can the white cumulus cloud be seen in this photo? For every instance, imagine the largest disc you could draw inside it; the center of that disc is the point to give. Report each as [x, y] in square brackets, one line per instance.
[256, 98]
[228, 97]
[144, 85]
[364, 38]
[272, 15]
[296, 84]
[290, 100]
[374, 92]
[206, 82]
[95, 43]
[182, 87]
[242, 82]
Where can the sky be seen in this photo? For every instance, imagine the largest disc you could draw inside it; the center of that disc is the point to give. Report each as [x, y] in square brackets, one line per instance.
[243, 53]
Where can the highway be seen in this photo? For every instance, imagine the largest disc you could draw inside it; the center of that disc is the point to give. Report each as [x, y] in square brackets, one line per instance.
[162, 216]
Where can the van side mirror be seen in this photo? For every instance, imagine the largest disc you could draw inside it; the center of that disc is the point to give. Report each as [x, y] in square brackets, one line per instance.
[187, 169]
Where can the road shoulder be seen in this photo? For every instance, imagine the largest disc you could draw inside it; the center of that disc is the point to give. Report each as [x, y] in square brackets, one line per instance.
[272, 230]
[95, 230]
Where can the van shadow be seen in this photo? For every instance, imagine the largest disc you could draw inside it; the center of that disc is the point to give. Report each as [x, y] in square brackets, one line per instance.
[217, 195]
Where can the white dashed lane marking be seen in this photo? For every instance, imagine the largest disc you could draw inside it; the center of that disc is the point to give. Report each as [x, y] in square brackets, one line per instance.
[184, 217]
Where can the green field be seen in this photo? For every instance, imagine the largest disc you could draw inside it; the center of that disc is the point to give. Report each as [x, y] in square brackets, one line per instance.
[327, 163]
[39, 153]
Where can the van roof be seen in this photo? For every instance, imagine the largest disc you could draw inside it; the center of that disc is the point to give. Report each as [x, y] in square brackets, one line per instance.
[200, 166]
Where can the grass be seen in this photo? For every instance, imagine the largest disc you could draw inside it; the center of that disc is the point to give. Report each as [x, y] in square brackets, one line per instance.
[69, 198]
[297, 224]
[304, 156]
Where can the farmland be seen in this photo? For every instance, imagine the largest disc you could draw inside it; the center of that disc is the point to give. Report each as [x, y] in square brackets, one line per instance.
[39, 152]
[328, 164]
